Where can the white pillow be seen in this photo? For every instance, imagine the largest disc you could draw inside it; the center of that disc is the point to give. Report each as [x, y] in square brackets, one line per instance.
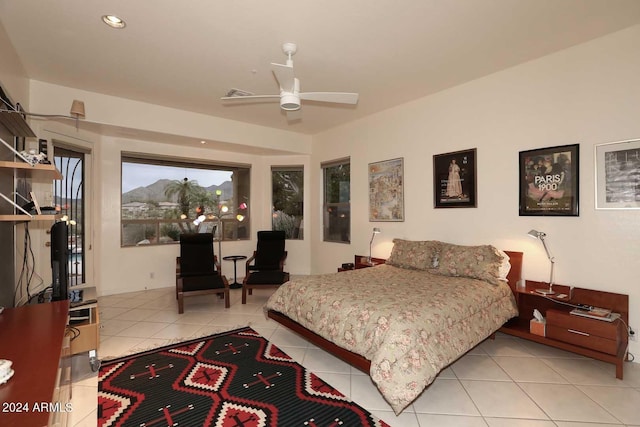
[505, 266]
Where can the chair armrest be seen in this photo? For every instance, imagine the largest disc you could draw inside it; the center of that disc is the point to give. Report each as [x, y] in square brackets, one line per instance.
[225, 281]
[284, 257]
[217, 264]
[248, 263]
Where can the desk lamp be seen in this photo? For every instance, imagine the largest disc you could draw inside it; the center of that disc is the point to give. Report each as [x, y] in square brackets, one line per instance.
[376, 230]
[540, 235]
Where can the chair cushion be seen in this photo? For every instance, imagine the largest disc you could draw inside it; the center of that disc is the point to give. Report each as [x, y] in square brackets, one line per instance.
[270, 250]
[196, 254]
[201, 283]
[267, 277]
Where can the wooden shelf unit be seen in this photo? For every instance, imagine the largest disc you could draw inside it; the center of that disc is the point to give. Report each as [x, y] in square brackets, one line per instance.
[563, 325]
[15, 123]
[22, 217]
[34, 338]
[38, 170]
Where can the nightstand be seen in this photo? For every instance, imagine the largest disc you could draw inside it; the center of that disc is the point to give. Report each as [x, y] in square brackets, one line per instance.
[598, 339]
[361, 261]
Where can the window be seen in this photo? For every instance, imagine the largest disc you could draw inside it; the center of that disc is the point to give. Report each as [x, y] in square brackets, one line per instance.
[163, 198]
[70, 194]
[287, 188]
[336, 221]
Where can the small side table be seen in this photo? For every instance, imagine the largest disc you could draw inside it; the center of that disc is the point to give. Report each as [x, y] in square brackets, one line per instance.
[235, 259]
[361, 261]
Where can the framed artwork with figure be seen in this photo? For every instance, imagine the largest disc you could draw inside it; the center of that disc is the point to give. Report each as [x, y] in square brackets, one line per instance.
[549, 181]
[454, 179]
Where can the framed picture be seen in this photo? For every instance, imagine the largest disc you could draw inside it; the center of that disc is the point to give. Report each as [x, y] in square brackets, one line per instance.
[549, 180]
[454, 179]
[618, 175]
[386, 190]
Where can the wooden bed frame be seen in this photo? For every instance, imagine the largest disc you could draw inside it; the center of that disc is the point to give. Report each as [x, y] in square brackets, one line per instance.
[356, 360]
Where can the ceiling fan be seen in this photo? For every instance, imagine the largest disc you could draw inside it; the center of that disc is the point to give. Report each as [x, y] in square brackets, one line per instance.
[290, 96]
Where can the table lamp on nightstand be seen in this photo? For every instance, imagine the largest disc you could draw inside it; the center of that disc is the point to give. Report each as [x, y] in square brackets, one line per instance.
[540, 235]
[376, 230]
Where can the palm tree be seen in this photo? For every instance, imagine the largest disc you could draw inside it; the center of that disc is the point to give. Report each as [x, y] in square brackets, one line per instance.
[185, 190]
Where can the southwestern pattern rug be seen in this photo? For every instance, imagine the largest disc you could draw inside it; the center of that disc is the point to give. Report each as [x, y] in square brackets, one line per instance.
[234, 379]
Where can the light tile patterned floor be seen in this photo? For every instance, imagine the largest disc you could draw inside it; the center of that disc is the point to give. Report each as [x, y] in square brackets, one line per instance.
[506, 382]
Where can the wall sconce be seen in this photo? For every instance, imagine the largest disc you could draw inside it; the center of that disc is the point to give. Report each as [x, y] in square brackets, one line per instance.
[540, 235]
[376, 230]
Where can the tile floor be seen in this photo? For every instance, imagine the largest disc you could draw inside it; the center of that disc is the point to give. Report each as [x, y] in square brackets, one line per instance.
[506, 382]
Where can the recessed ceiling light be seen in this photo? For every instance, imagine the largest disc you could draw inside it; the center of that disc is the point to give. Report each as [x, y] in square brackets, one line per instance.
[203, 142]
[113, 21]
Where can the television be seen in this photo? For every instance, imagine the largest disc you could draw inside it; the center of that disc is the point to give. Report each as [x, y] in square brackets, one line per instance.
[59, 261]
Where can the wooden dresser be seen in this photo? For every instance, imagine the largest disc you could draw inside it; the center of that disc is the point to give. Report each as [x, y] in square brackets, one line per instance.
[33, 338]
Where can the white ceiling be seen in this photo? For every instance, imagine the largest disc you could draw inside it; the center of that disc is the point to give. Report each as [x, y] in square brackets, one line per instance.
[187, 54]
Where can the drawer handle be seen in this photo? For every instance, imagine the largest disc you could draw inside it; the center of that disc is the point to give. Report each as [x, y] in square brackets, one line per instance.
[573, 331]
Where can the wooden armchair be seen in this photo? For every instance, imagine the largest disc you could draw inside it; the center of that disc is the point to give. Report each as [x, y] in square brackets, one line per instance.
[265, 268]
[198, 270]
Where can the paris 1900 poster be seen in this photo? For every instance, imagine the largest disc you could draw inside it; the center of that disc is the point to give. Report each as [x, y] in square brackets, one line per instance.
[549, 181]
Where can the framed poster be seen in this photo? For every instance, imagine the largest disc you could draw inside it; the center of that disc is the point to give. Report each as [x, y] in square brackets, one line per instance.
[454, 179]
[386, 190]
[618, 175]
[549, 180]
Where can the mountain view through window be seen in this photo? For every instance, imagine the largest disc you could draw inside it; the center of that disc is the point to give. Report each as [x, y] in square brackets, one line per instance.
[162, 199]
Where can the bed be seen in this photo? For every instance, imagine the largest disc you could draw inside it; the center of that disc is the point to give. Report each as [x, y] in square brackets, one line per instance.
[404, 321]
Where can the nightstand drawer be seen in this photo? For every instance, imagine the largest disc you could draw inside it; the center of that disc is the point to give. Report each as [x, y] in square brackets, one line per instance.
[583, 339]
[594, 334]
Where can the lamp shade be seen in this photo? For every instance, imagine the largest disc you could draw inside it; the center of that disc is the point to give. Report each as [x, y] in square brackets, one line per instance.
[77, 109]
[536, 234]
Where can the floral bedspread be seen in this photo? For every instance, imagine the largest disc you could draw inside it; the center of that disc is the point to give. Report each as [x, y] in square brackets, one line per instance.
[409, 323]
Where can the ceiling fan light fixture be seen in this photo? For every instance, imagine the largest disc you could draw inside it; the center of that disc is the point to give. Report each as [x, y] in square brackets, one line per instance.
[289, 102]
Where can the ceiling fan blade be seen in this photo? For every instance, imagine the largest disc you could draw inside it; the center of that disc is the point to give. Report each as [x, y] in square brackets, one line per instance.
[294, 115]
[285, 77]
[250, 97]
[337, 97]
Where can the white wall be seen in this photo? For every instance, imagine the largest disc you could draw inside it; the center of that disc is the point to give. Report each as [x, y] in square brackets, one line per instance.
[109, 110]
[128, 269]
[588, 94]
[119, 270]
[12, 74]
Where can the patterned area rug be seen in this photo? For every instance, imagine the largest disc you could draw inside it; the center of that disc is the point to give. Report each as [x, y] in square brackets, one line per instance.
[234, 379]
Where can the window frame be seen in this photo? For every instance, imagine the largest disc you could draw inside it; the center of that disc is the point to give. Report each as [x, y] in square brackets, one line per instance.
[300, 229]
[229, 224]
[327, 206]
